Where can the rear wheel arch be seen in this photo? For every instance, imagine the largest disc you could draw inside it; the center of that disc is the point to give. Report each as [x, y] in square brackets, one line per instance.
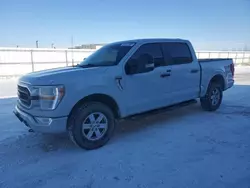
[217, 85]
[218, 79]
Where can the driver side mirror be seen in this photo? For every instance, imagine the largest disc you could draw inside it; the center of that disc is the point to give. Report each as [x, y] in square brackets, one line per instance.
[131, 66]
[145, 63]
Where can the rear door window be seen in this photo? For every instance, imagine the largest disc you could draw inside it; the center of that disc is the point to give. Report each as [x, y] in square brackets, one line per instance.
[177, 53]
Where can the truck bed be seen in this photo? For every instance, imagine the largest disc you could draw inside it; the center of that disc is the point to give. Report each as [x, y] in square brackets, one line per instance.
[211, 67]
[214, 59]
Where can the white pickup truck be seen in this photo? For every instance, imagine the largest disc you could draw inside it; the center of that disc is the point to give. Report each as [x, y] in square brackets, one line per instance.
[118, 81]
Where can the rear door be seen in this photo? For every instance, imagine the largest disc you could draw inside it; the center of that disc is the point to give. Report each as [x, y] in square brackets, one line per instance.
[185, 72]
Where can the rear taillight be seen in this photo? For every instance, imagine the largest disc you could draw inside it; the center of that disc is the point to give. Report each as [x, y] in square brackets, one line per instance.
[232, 68]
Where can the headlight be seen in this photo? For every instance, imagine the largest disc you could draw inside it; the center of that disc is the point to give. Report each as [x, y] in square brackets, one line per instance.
[49, 96]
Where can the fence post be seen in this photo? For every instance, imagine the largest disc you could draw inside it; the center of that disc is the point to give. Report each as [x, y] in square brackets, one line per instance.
[208, 55]
[66, 56]
[32, 62]
[72, 56]
[236, 57]
[248, 61]
[243, 58]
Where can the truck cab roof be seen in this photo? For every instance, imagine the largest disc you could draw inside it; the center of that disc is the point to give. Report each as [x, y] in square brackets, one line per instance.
[149, 40]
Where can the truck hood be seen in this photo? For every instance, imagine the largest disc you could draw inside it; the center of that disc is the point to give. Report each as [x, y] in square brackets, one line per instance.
[59, 75]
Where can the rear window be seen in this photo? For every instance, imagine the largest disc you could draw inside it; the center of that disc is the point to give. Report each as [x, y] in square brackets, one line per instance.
[177, 53]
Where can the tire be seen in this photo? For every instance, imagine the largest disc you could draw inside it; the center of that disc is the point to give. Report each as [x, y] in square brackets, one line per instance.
[83, 124]
[207, 102]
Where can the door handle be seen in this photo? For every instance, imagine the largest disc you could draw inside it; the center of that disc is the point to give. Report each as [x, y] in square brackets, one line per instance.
[165, 75]
[194, 71]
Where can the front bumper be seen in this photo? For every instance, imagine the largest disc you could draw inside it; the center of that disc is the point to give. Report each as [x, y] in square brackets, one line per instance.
[50, 125]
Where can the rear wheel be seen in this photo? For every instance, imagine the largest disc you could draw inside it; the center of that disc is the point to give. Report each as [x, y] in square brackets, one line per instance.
[213, 98]
[92, 125]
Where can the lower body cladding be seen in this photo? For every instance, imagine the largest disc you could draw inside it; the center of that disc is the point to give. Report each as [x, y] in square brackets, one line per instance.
[42, 124]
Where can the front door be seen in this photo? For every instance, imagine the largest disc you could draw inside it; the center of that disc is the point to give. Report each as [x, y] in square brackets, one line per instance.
[145, 91]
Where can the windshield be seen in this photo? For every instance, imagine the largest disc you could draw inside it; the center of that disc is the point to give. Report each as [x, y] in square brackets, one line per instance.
[108, 55]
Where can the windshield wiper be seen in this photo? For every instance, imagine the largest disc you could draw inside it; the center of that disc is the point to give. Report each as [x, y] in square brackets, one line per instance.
[77, 65]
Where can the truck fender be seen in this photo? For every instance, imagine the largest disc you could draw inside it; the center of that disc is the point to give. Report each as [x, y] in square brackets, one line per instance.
[219, 78]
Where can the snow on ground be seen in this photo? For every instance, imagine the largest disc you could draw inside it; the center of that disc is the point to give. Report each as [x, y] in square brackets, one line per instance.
[8, 88]
[181, 148]
[242, 69]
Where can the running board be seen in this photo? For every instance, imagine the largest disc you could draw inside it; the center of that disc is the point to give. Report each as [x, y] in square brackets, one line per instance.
[162, 110]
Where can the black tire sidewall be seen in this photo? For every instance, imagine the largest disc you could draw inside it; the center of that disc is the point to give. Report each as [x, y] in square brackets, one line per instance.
[215, 86]
[207, 103]
[81, 115]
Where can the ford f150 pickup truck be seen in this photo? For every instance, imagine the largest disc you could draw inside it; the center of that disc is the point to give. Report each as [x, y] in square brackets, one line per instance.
[119, 80]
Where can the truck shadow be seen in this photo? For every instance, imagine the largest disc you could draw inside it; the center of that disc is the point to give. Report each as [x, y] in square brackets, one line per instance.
[125, 128]
[234, 102]
[164, 118]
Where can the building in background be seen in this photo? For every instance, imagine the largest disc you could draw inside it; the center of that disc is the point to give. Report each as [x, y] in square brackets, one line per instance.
[88, 46]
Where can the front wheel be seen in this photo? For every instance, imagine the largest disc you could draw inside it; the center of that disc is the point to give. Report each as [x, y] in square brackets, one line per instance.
[92, 125]
[213, 98]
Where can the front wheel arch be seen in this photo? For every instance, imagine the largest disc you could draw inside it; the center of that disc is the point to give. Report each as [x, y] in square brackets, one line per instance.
[102, 98]
[75, 129]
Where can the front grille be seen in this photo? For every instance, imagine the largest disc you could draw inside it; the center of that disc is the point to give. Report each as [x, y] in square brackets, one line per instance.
[24, 95]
